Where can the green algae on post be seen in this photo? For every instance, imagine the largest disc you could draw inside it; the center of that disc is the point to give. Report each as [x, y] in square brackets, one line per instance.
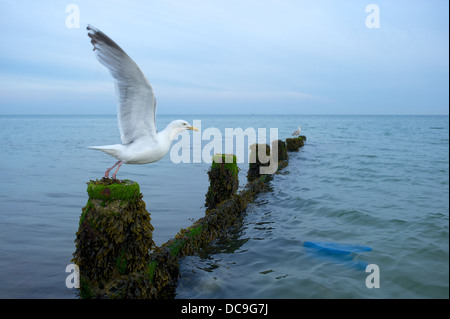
[114, 236]
[223, 179]
[293, 144]
[256, 162]
[225, 161]
[282, 150]
[301, 140]
[108, 189]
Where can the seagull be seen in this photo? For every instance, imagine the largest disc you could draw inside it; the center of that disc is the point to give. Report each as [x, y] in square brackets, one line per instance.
[298, 131]
[136, 111]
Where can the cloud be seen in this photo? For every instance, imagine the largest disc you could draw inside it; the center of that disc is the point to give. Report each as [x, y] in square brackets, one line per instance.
[317, 54]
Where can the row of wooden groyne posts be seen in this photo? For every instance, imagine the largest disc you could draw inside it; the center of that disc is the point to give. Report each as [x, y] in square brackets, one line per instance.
[115, 252]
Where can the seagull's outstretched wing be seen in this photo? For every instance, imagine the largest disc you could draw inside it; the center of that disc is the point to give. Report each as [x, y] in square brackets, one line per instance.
[137, 103]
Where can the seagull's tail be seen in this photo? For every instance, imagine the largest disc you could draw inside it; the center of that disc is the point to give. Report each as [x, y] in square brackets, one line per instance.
[113, 150]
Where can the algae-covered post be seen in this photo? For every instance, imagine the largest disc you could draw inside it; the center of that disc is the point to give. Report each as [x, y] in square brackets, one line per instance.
[223, 179]
[301, 140]
[282, 151]
[259, 157]
[293, 144]
[114, 235]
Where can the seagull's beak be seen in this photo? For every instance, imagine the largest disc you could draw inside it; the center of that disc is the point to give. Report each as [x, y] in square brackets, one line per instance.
[192, 128]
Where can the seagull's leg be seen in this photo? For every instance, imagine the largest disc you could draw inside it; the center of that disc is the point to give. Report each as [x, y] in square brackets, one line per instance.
[119, 163]
[109, 169]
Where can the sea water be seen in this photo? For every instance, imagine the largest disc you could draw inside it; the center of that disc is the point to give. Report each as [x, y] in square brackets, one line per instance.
[377, 181]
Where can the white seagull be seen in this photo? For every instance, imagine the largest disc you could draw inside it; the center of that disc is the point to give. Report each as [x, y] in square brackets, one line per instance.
[299, 130]
[141, 142]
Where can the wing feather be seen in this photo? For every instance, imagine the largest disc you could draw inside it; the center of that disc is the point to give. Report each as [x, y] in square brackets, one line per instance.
[137, 104]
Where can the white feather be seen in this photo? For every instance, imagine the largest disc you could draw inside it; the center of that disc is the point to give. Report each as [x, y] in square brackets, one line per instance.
[136, 112]
[137, 104]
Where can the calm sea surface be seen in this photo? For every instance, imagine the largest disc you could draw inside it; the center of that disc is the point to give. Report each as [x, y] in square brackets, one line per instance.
[379, 181]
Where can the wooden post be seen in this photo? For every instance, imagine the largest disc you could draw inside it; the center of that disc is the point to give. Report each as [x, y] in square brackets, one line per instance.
[223, 179]
[256, 162]
[282, 151]
[293, 144]
[114, 235]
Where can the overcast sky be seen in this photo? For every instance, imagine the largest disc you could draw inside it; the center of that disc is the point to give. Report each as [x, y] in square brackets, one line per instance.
[230, 57]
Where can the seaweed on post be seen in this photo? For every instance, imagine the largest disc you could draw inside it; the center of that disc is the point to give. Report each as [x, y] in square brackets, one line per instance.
[114, 235]
[293, 144]
[282, 150]
[223, 179]
[257, 161]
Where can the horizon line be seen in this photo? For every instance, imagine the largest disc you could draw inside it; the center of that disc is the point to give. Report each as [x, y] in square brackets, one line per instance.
[222, 114]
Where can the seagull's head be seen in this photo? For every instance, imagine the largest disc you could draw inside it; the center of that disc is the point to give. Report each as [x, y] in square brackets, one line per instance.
[179, 126]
